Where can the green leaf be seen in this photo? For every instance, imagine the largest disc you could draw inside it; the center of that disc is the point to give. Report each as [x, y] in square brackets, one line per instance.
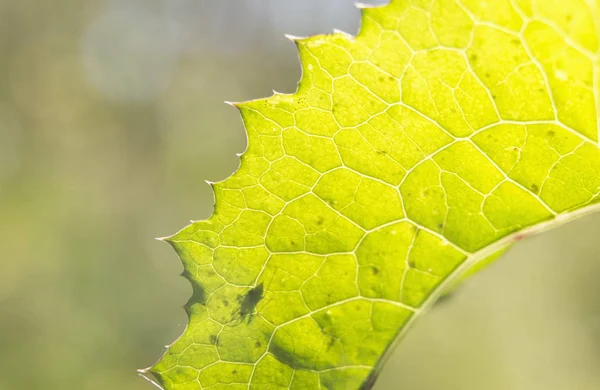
[444, 132]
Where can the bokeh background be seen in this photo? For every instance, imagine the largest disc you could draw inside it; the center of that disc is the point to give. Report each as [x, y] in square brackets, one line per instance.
[111, 118]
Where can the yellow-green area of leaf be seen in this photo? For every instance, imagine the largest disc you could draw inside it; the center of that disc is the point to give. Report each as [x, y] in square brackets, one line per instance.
[442, 133]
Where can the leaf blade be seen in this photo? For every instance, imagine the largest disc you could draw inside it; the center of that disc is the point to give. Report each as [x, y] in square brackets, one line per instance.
[404, 158]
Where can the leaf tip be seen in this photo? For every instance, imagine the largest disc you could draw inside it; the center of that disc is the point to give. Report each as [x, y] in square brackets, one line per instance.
[294, 38]
[233, 104]
[146, 374]
[344, 33]
[360, 5]
[167, 239]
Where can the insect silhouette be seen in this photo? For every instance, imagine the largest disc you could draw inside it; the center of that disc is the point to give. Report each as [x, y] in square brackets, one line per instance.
[250, 300]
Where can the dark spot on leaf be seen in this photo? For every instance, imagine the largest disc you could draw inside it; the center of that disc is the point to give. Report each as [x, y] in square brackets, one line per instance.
[225, 303]
[411, 263]
[440, 225]
[258, 344]
[515, 42]
[213, 339]
[487, 75]
[330, 343]
[375, 270]
[293, 242]
[534, 188]
[234, 372]
[473, 57]
[551, 133]
[249, 301]
[515, 149]
[320, 220]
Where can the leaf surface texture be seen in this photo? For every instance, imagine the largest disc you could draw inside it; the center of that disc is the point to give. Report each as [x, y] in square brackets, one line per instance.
[443, 132]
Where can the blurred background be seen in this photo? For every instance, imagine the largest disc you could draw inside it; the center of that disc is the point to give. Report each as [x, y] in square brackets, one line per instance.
[111, 118]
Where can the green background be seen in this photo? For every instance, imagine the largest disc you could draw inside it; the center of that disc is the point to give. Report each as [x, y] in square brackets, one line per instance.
[111, 118]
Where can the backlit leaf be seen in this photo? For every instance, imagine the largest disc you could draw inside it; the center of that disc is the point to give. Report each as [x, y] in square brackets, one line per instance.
[441, 134]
